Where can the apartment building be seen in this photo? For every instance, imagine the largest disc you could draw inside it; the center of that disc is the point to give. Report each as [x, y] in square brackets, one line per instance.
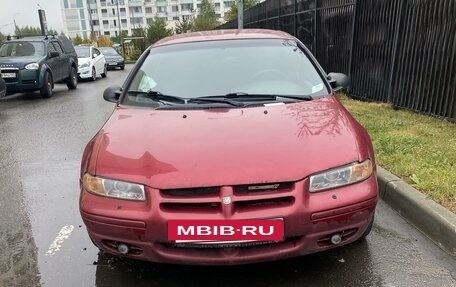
[108, 17]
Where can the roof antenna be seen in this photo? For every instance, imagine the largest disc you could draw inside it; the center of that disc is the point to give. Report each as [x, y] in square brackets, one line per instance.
[39, 7]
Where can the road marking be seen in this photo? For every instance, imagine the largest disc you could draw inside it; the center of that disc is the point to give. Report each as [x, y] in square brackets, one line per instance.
[64, 233]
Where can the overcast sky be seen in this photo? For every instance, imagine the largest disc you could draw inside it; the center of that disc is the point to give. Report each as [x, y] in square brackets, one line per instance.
[25, 12]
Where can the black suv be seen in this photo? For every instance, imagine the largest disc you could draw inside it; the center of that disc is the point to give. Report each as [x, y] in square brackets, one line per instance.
[36, 63]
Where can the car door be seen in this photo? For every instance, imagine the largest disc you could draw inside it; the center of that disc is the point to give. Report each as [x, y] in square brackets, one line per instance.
[64, 60]
[99, 60]
[53, 63]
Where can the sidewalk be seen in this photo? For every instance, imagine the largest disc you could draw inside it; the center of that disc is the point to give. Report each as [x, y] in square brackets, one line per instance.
[436, 222]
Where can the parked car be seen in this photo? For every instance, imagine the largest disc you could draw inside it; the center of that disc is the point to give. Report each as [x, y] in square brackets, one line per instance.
[2, 87]
[35, 63]
[92, 62]
[227, 147]
[113, 58]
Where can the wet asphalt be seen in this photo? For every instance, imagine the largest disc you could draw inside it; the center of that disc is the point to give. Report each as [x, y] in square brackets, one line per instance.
[43, 241]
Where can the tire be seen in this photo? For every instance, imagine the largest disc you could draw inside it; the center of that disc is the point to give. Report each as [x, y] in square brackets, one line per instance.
[105, 72]
[122, 68]
[94, 75]
[72, 80]
[369, 228]
[46, 90]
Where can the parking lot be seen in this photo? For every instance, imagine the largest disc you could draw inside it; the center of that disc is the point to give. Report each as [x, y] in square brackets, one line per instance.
[43, 240]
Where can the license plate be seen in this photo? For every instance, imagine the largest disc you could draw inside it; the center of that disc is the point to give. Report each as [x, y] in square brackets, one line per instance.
[112, 63]
[9, 75]
[218, 231]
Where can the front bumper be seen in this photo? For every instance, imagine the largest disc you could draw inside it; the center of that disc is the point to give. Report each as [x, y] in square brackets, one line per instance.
[309, 220]
[25, 81]
[115, 64]
[85, 73]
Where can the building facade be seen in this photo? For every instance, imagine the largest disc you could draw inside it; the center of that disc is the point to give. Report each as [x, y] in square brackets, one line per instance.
[109, 17]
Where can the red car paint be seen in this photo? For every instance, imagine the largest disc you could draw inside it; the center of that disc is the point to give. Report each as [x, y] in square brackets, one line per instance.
[227, 149]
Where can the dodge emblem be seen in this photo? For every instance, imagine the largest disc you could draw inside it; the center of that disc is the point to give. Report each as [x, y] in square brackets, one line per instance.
[226, 200]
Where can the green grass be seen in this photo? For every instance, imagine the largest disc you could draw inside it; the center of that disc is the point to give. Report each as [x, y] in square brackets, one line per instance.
[417, 148]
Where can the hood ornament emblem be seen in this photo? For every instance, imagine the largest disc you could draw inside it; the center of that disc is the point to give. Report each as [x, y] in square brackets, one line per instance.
[226, 200]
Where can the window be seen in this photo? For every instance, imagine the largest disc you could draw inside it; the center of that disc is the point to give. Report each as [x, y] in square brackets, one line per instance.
[57, 47]
[161, 9]
[107, 33]
[242, 61]
[174, 8]
[51, 48]
[149, 10]
[187, 7]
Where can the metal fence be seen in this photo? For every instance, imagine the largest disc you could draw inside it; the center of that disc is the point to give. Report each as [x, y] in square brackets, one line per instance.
[397, 51]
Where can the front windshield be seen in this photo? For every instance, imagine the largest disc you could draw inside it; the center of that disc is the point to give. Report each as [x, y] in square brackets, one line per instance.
[83, 52]
[108, 51]
[22, 49]
[204, 69]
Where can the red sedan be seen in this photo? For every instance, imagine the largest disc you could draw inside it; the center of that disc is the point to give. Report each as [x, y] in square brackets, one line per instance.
[227, 147]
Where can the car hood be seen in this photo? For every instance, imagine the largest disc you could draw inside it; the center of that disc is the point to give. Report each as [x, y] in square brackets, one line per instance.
[215, 147]
[83, 61]
[18, 62]
[114, 58]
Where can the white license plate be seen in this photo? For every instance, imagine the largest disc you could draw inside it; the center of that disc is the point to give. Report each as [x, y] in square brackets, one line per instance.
[9, 75]
[113, 63]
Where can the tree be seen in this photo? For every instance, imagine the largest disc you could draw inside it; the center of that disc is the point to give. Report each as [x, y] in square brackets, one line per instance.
[32, 31]
[78, 40]
[2, 37]
[157, 30]
[232, 14]
[184, 26]
[104, 41]
[206, 19]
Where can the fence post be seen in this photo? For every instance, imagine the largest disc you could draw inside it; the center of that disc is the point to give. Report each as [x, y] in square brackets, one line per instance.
[352, 44]
[395, 48]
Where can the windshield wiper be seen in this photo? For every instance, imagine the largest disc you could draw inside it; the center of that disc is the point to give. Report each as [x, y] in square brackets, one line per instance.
[216, 99]
[259, 97]
[159, 97]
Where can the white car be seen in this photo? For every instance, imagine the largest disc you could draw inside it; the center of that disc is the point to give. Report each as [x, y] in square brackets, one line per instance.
[91, 62]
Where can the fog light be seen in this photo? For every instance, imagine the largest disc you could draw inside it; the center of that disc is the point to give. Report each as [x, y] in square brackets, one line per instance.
[123, 248]
[336, 239]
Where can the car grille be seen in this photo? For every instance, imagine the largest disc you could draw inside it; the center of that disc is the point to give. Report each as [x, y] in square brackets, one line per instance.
[242, 198]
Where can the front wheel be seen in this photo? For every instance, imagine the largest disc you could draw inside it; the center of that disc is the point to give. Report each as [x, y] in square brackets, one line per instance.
[72, 80]
[369, 228]
[46, 90]
[94, 74]
[105, 72]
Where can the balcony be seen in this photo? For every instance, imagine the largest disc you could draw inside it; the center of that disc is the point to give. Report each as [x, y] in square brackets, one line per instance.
[135, 3]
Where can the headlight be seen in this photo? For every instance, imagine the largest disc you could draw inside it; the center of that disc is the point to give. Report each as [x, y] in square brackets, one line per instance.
[85, 65]
[32, 66]
[113, 188]
[340, 176]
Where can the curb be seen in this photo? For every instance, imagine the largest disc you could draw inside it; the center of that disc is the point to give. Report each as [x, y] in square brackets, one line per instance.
[436, 222]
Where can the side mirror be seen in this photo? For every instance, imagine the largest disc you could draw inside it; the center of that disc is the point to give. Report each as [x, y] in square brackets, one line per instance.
[338, 81]
[112, 94]
[54, 54]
